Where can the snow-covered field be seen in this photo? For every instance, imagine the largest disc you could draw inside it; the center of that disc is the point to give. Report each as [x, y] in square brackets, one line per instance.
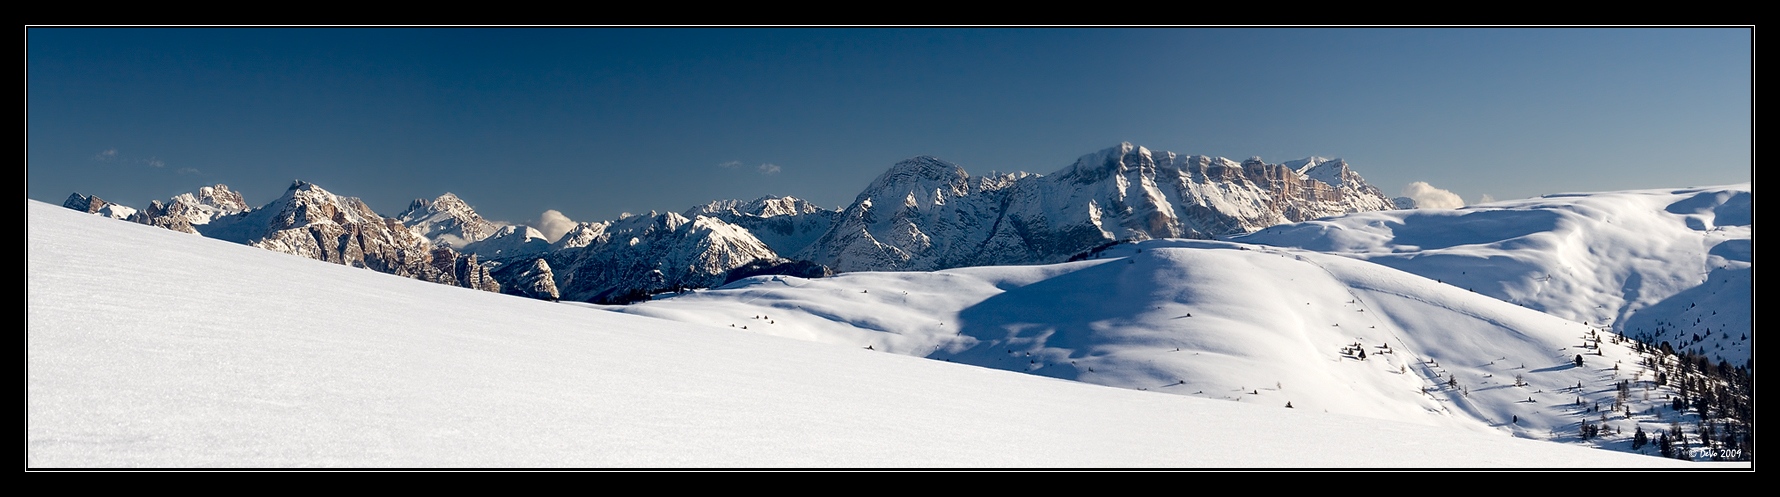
[1274, 325]
[148, 347]
[1218, 320]
[1673, 265]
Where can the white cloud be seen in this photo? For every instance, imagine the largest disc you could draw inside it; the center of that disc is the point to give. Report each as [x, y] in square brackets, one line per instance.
[456, 242]
[108, 155]
[553, 224]
[155, 163]
[1486, 198]
[769, 169]
[188, 170]
[731, 164]
[1428, 197]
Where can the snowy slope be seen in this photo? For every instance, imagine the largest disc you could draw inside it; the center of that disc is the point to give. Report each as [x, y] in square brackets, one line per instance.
[1670, 265]
[1218, 320]
[292, 362]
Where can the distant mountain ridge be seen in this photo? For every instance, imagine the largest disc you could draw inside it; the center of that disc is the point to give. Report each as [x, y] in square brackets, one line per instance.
[922, 214]
[927, 214]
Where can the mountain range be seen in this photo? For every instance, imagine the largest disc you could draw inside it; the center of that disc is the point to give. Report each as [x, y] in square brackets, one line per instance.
[922, 214]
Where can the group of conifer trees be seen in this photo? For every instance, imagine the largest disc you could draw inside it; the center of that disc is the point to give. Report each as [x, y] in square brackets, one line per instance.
[1722, 396]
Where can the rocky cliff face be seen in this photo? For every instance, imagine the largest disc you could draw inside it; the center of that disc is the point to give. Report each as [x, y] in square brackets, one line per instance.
[528, 279]
[518, 255]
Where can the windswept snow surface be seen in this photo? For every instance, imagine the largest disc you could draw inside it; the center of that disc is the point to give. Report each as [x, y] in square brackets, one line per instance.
[147, 347]
[1671, 265]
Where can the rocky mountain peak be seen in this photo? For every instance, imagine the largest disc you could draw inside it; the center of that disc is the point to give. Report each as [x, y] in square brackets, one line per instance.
[194, 209]
[1332, 172]
[92, 204]
[419, 204]
[772, 206]
[446, 219]
[1111, 161]
[639, 254]
[916, 174]
[671, 221]
[583, 234]
[509, 242]
[221, 198]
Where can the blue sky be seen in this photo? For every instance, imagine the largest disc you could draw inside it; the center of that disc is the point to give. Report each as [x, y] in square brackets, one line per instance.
[594, 122]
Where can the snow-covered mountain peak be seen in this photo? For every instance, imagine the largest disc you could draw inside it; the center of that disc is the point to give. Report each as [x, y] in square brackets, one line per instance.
[995, 181]
[1108, 162]
[510, 242]
[1301, 164]
[1332, 172]
[305, 203]
[186, 211]
[633, 256]
[764, 207]
[632, 225]
[447, 219]
[787, 224]
[771, 206]
[221, 198]
[581, 235]
[918, 174]
[924, 213]
[518, 230]
[672, 220]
